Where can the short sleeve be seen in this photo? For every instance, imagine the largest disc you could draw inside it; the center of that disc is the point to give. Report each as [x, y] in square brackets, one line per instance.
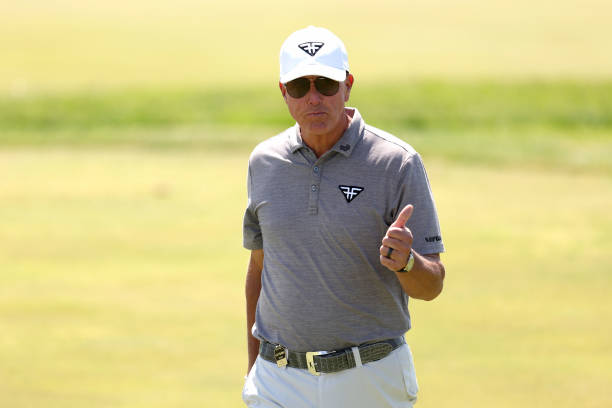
[414, 189]
[251, 231]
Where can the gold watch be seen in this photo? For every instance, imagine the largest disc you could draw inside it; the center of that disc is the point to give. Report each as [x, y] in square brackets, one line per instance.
[409, 264]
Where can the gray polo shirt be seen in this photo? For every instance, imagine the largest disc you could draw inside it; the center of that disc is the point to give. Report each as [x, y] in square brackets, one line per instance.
[320, 222]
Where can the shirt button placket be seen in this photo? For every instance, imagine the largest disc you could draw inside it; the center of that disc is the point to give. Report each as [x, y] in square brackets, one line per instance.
[315, 183]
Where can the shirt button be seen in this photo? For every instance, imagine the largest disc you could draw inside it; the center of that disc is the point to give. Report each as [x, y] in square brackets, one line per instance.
[314, 188]
[315, 169]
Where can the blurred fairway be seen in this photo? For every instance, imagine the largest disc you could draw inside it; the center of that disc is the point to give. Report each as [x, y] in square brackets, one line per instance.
[563, 124]
[58, 44]
[125, 130]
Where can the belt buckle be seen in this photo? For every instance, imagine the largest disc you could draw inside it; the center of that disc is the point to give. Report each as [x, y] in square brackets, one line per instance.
[312, 369]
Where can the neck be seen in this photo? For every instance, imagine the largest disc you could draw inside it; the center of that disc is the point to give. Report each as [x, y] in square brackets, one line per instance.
[322, 143]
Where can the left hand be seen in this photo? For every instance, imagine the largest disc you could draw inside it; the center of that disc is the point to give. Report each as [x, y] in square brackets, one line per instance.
[398, 237]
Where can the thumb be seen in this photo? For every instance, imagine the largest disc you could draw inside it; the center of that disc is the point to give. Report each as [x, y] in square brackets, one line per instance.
[403, 216]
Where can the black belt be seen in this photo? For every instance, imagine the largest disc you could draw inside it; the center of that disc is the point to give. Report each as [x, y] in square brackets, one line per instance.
[317, 363]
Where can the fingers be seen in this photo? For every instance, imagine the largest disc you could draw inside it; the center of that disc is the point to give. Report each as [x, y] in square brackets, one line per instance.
[398, 245]
[400, 251]
[389, 252]
[399, 239]
[393, 263]
[403, 216]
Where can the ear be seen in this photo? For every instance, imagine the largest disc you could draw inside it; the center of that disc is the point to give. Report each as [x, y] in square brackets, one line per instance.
[348, 82]
[283, 90]
[350, 78]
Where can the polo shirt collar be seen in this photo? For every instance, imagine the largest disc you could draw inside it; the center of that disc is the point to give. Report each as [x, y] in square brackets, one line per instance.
[295, 139]
[347, 142]
[351, 136]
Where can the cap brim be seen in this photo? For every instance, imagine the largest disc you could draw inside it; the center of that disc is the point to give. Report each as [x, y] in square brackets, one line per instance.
[314, 69]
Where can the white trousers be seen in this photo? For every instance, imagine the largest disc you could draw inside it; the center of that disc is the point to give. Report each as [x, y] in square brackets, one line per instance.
[390, 382]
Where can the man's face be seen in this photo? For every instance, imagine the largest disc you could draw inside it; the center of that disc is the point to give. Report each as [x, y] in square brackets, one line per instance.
[316, 113]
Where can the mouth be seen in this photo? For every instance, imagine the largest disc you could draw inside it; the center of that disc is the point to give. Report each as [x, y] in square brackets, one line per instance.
[316, 114]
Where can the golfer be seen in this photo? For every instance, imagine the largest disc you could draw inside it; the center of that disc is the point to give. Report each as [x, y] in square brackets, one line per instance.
[343, 231]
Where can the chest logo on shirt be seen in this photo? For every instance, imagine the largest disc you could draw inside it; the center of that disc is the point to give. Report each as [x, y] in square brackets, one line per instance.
[350, 192]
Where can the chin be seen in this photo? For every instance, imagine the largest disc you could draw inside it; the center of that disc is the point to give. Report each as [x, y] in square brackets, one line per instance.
[317, 128]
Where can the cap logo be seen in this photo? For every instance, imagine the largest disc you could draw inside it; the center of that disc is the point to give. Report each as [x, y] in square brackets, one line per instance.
[311, 48]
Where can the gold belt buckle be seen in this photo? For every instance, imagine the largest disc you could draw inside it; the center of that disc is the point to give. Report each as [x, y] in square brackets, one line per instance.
[310, 361]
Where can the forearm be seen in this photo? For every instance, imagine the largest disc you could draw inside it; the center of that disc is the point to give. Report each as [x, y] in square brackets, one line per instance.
[252, 290]
[252, 295]
[425, 280]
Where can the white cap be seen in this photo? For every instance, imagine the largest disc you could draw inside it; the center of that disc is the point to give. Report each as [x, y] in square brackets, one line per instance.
[313, 51]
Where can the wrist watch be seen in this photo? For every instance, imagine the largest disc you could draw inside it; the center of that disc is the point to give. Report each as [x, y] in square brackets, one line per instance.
[409, 264]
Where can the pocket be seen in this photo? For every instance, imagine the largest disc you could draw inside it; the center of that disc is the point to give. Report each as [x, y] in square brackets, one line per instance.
[249, 391]
[252, 367]
[404, 356]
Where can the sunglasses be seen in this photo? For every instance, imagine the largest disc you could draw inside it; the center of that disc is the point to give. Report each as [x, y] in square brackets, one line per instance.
[300, 86]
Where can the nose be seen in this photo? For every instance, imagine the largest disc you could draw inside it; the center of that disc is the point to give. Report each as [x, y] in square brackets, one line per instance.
[314, 97]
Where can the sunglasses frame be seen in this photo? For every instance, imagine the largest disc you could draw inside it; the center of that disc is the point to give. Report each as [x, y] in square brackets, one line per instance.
[319, 84]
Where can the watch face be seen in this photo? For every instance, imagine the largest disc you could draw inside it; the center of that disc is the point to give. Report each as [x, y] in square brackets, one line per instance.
[409, 265]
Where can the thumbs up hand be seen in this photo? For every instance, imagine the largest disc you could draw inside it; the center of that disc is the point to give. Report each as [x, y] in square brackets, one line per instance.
[397, 243]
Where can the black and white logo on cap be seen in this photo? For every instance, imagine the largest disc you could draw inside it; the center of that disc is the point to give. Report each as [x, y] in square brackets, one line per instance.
[350, 192]
[311, 48]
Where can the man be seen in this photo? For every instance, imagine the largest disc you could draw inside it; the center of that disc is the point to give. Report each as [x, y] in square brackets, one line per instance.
[343, 230]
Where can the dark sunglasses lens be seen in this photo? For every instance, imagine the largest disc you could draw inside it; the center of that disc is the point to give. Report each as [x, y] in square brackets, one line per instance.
[298, 87]
[326, 86]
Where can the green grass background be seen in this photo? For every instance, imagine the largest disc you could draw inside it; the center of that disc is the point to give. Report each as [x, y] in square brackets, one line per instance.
[124, 134]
